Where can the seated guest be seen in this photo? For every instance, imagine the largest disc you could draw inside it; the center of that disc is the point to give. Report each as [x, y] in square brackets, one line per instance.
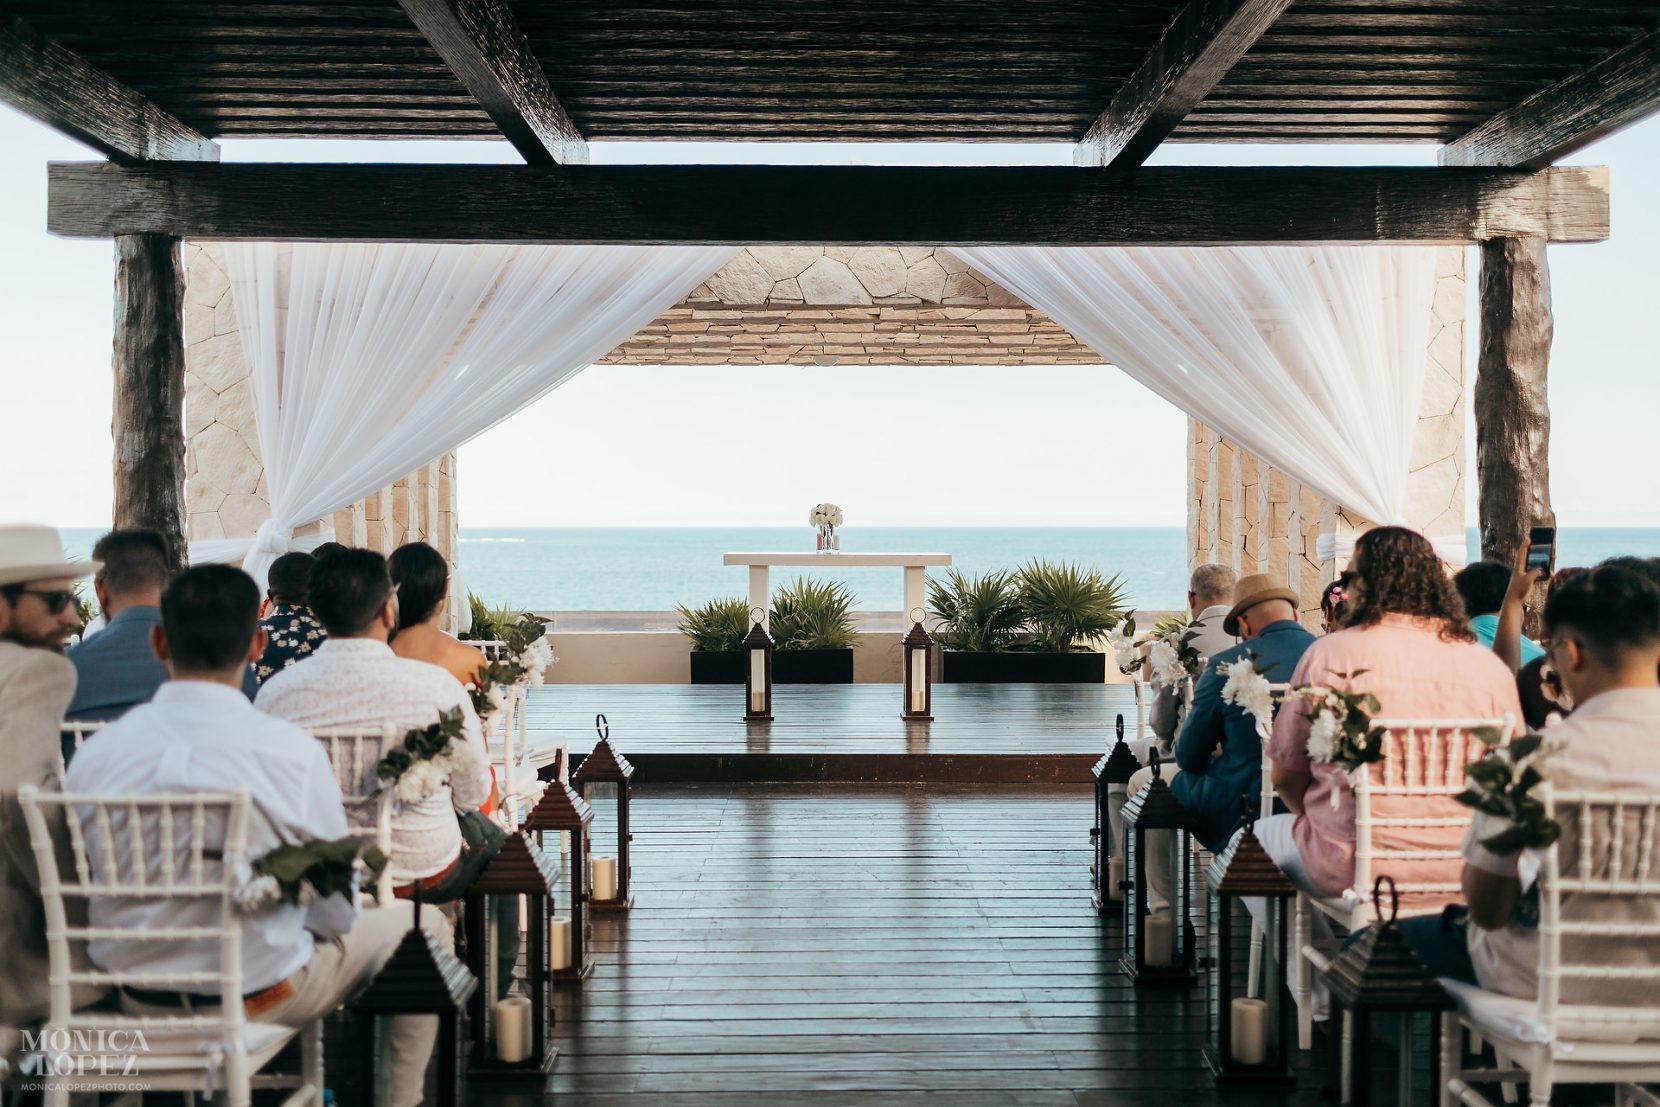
[117, 668]
[1209, 595]
[37, 615]
[1406, 642]
[291, 634]
[1334, 603]
[1483, 586]
[354, 679]
[1603, 633]
[423, 580]
[200, 734]
[1219, 752]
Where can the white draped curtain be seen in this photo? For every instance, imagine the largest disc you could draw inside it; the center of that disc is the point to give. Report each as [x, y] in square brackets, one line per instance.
[369, 360]
[1310, 357]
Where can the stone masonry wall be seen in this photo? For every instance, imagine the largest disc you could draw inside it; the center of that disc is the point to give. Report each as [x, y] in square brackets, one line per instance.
[1257, 519]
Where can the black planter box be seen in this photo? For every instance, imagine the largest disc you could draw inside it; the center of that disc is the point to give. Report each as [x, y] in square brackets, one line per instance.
[1024, 668]
[788, 667]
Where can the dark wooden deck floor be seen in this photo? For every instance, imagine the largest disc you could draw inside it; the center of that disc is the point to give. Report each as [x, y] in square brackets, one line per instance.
[869, 946]
[847, 732]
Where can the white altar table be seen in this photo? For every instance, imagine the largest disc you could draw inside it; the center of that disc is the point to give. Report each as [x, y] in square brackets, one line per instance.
[760, 564]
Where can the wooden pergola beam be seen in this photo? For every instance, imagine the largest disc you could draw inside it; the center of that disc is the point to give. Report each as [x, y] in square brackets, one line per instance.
[839, 205]
[481, 43]
[66, 92]
[1191, 57]
[1576, 111]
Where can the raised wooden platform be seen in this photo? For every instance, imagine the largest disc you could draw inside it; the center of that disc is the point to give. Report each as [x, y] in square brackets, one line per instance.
[867, 946]
[1009, 733]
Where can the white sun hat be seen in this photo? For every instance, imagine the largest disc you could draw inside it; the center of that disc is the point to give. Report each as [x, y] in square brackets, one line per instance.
[29, 553]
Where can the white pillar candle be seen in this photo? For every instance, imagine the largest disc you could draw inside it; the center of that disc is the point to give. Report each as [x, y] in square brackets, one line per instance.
[1157, 941]
[513, 1029]
[757, 681]
[1248, 1034]
[919, 681]
[1115, 879]
[559, 944]
[605, 878]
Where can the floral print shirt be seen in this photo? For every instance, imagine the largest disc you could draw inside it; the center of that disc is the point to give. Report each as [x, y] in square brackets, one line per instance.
[292, 634]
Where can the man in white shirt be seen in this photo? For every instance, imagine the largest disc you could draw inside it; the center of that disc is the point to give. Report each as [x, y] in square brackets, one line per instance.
[200, 734]
[1209, 599]
[1603, 632]
[354, 679]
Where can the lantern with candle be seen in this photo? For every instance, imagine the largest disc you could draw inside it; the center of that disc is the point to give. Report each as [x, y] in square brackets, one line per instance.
[757, 647]
[603, 779]
[1379, 974]
[515, 1033]
[1158, 943]
[1250, 1036]
[1113, 771]
[918, 649]
[561, 809]
[421, 978]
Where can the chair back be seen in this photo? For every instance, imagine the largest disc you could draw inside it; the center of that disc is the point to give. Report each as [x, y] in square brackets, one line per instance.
[142, 849]
[354, 752]
[492, 649]
[75, 733]
[1265, 731]
[1407, 819]
[1599, 916]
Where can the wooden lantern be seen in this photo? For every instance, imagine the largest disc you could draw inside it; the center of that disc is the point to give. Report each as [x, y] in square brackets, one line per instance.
[561, 809]
[919, 689]
[1106, 870]
[1158, 948]
[757, 671]
[1250, 1039]
[520, 876]
[603, 778]
[422, 978]
[1379, 974]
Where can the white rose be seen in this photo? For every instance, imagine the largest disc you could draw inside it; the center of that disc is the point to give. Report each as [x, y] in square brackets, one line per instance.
[1167, 666]
[1323, 732]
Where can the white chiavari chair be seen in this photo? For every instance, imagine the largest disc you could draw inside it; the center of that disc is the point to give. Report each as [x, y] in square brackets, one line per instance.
[1265, 808]
[1599, 920]
[75, 733]
[148, 848]
[354, 752]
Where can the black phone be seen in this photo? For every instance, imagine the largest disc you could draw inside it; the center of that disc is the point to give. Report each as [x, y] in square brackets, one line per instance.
[1541, 549]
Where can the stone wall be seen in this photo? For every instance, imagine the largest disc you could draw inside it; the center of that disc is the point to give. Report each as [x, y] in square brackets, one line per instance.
[1247, 514]
[226, 494]
[870, 305]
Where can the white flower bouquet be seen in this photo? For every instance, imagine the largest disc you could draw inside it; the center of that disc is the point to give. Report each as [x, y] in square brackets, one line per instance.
[299, 874]
[1172, 658]
[1247, 688]
[422, 764]
[825, 515]
[1126, 650]
[1340, 730]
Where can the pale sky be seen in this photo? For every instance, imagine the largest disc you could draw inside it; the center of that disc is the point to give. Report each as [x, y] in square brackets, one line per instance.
[961, 446]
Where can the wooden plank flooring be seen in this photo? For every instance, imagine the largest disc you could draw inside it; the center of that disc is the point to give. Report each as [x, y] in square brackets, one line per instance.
[869, 946]
[845, 732]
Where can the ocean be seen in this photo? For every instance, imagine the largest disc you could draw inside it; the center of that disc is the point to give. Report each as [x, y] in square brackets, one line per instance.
[656, 569]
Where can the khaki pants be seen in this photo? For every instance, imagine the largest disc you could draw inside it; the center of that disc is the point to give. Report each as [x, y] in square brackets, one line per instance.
[341, 967]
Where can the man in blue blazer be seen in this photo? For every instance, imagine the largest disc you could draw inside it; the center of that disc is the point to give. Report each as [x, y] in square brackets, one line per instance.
[1218, 751]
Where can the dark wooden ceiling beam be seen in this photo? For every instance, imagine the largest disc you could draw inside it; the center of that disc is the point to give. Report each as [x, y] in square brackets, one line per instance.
[1573, 113]
[1191, 57]
[66, 92]
[481, 43]
[842, 205]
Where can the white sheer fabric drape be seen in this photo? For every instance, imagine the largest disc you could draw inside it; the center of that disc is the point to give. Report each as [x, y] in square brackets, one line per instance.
[368, 360]
[1310, 357]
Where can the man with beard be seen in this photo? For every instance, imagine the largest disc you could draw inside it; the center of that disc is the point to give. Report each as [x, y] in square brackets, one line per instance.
[37, 616]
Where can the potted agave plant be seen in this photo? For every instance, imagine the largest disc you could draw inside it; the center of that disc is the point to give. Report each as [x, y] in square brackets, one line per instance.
[1037, 624]
[812, 631]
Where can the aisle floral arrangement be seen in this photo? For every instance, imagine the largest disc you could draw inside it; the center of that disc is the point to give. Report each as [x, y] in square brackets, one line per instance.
[1171, 657]
[1499, 786]
[301, 873]
[1340, 730]
[1246, 687]
[422, 763]
[523, 657]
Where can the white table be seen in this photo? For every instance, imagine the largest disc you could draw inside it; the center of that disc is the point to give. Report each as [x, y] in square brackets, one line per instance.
[914, 564]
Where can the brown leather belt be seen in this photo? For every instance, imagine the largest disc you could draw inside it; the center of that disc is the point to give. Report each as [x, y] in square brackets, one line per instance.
[426, 883]
[254, 1003]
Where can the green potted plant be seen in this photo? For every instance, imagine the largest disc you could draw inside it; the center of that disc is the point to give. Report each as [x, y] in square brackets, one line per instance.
[717, 631]
[1036, 624]
[812, 630]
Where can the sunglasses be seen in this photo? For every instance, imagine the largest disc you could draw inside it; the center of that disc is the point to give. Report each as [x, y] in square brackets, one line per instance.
[55, 601]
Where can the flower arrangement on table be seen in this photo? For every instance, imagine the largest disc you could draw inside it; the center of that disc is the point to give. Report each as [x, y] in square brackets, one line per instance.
[302, 873]
[826, 517]
[1246, 687]
[422, 763]
[1499, 787]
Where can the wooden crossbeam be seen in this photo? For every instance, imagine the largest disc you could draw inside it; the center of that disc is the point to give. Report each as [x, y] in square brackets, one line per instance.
[1191, 57]
[65, 91]
[1576, 111]
[481, 43]
[840, 205]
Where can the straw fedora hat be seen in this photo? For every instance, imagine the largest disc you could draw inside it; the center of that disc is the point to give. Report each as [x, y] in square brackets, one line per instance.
[1251, 591]
[29, 553]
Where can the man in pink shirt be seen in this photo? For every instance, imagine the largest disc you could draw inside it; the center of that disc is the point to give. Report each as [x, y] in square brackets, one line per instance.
[1405, 640]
